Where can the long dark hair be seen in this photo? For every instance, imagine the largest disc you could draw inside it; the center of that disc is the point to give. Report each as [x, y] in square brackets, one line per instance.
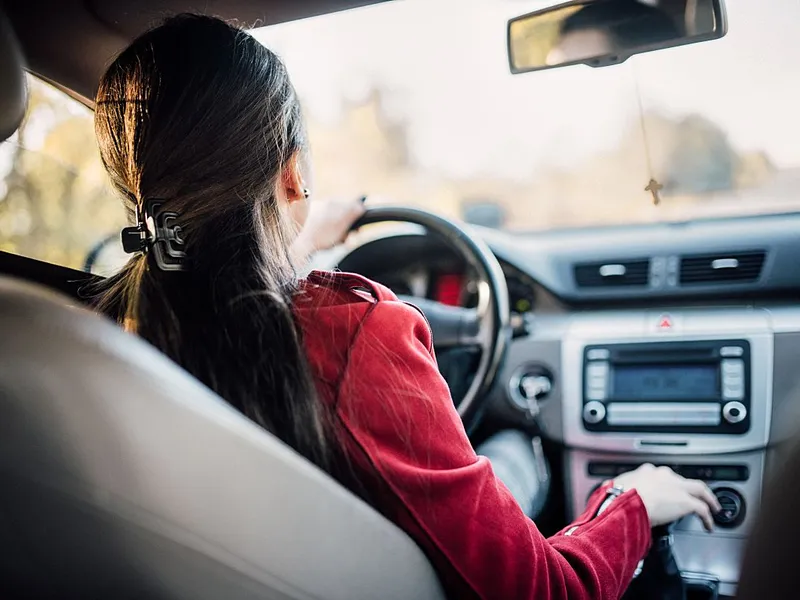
[200, 115]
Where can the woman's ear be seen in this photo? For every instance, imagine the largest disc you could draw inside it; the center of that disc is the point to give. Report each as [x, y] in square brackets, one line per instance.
[291, 187]
[291, 193]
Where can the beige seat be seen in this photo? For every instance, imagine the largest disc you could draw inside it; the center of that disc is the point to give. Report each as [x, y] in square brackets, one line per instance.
[123, 477]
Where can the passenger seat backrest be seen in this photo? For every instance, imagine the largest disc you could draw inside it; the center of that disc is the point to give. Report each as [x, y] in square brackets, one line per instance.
[122, 476]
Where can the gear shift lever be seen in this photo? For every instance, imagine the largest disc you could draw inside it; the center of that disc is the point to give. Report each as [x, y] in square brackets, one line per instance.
[660, 578]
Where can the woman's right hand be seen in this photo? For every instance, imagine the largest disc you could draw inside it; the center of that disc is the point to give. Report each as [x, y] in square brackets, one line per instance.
[668, 497]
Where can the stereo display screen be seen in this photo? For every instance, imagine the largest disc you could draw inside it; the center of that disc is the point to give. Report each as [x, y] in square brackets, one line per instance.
[665, 382]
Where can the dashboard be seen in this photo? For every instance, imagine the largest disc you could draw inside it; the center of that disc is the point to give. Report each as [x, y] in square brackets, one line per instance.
[674, 344]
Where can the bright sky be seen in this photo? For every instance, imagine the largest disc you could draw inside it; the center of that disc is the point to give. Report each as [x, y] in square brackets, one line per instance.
[444, 64]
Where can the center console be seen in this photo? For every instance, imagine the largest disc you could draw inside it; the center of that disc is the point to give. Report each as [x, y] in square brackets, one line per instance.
[691, 390]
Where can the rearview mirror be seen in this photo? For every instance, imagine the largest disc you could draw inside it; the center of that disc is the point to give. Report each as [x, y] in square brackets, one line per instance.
[599, 33]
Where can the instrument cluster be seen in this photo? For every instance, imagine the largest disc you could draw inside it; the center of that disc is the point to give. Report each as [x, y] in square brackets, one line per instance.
[456, 288]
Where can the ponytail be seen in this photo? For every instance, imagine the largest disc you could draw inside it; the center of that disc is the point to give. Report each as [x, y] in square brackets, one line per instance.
[201, 115]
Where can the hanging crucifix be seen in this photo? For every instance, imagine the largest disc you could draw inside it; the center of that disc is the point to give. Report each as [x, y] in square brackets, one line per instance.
[654, 188]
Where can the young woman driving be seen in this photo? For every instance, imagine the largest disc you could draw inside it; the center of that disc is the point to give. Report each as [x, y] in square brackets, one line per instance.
[201, 132]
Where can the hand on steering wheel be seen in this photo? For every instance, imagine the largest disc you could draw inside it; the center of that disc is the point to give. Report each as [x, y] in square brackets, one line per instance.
[328, 223]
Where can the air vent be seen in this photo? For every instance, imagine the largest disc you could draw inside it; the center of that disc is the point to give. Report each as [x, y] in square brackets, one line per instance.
[735, 267]
[612, 273]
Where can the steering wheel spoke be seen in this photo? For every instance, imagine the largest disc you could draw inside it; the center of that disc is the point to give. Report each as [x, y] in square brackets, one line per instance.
[450, 325]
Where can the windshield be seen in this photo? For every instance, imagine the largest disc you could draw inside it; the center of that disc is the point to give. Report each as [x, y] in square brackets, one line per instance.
[413, 102]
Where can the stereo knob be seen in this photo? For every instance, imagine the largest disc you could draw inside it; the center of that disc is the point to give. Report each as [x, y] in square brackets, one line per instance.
[733, 507]
[594, 412]
[734, 412]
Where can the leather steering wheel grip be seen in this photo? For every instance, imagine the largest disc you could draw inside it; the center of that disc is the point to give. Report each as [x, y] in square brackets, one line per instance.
[492, 333]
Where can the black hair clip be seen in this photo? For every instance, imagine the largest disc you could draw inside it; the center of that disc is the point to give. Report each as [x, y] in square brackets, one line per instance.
[159, 232]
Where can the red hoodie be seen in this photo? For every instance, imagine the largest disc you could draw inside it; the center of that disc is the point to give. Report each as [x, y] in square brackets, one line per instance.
[372, 358]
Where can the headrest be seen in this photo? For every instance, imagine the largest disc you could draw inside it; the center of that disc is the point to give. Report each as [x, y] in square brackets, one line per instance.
[13, 93]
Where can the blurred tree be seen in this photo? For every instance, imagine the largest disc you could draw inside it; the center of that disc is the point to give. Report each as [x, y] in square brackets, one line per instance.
[702, 159]
[753, 169]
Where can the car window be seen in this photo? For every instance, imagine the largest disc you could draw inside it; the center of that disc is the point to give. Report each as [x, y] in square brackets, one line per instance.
[56, 203]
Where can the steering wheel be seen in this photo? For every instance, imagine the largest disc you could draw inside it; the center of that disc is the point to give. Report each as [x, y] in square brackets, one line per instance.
[485, 327]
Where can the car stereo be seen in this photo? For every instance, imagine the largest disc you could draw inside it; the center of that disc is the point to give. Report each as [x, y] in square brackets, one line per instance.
[667, 387]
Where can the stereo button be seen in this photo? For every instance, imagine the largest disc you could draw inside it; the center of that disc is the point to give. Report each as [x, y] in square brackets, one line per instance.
[598, 354]
[733, 368]
[734, 412]
[732, 391]
[596, 393]
[596, 380]
[598, 369]
[732, 379]
[729, 351]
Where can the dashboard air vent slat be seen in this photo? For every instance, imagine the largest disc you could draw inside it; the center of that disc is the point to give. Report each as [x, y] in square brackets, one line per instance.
[612, 273]
[733, 267]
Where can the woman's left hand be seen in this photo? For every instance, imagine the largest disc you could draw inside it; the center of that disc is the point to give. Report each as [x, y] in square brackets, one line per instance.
[328, 223]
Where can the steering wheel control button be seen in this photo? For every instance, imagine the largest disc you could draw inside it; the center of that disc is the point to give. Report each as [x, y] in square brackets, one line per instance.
[733, 507]
[594, 412]
[734, 412]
